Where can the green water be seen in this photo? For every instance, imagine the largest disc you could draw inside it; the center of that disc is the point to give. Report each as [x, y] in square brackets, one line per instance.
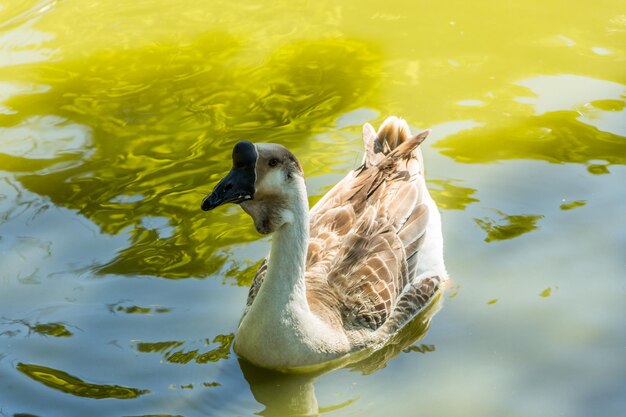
[119, 297]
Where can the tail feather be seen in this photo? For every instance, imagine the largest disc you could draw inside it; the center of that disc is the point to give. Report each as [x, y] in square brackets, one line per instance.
[393, 132]
[393, 137]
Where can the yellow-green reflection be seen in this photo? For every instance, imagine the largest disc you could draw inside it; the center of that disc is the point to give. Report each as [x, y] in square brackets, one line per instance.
[161, 134]
[243, 275]
[44, 329]
[421, 348]
[609, 105]
[135, 309]
[546, 293]
[554, 137]
[572, 205]
[51, 329]
[220, 352]
[148, 347]
[510, 226]
[328, 409]
[449, 196]
[172, 354]
[70, 384]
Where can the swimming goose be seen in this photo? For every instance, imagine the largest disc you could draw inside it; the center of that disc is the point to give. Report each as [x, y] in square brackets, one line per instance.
[348, 275]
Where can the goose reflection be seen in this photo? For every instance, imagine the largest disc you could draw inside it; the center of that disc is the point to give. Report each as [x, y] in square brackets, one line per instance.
[294, 394]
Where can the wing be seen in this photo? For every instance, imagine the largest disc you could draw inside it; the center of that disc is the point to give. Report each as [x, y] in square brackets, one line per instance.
[365, 235]
[256, 285]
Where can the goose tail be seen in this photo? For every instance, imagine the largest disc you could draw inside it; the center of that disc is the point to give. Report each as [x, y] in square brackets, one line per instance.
[394, 137]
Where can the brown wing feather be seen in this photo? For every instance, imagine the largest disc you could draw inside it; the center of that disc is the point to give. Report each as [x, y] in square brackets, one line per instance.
[256, 282]
[377, 221]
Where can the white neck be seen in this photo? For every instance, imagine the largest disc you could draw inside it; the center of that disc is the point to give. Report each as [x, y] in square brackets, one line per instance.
[279, 330]
[284, 281]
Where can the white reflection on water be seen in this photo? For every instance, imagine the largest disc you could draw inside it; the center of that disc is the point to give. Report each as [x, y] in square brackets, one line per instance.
[159, 224]
[44, 137]
[601, 51]
[560, 92]
[21, 45]
[28, 226]
[573, 92]
[13, 89]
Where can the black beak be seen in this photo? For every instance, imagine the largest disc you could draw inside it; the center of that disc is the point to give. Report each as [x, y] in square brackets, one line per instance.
[236, 187]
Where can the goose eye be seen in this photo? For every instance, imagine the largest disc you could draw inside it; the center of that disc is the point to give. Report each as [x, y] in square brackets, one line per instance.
[273, 162]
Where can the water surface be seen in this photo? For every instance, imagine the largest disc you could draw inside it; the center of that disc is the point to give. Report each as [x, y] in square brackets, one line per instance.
[119, 297]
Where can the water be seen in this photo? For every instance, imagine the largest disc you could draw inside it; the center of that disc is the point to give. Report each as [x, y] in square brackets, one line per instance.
[119, 297]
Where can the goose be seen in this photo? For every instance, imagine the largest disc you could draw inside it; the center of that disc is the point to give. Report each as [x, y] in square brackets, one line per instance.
[349, 274]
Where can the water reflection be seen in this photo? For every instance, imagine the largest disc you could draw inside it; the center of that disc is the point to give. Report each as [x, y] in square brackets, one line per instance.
[546, 293]
[280, 394]
[558, 137]
[135, 309]
[11, 89]
[70, 384]
[450, 196]
[568, 119]
[20, 11]
[20, 265]
[44, 137]
[171, 352]
[421, 348]
[22, 45]
[294, 394]
[53, 329]
[50, 329]
[572, 205]
[508, 226]
[164, 132]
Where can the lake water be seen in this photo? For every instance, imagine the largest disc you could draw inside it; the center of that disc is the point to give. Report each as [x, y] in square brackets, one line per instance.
[119, 297]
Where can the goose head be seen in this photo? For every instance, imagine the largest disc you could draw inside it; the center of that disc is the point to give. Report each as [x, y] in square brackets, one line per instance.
[266, 180]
